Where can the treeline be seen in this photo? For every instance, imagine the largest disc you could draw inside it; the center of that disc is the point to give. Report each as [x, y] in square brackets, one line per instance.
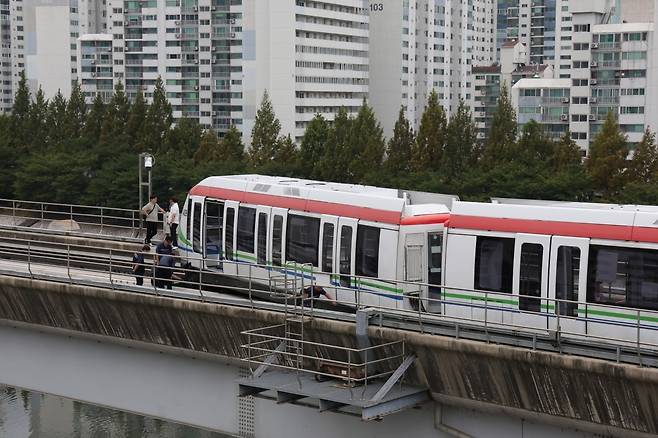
[62, 151]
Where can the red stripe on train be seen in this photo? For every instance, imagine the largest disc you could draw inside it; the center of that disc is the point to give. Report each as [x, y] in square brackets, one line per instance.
[569, 229]
[426, 219]
[312, 206]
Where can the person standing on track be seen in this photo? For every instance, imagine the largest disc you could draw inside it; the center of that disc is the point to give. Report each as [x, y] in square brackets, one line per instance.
[150, 211]
[173, 220]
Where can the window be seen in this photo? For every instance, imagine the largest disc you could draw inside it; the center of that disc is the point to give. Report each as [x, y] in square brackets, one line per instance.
[196, 235]
[367, 251]
[530, 276]
[328, 248]
[494, 258]
[434, 263]
[246, 229]
[302, 239]
[214, 225]
[623, 277]
[345, 256]
[228, 239]
[261, 255]
[277, 238]
[188, 212]
[567, 276]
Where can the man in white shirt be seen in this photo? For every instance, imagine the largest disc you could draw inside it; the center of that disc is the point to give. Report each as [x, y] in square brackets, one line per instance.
[173, 220]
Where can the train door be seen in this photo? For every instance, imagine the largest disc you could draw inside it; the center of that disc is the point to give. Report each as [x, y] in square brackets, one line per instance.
[230, 216]
[214, 234]
[328, 237]
[434, 270]
[195, 219]
[262, 272]
[344, 264]
[415, 269]
[568, 281]
[530, 282]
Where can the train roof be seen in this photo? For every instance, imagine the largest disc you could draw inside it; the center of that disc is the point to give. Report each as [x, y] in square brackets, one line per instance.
[602, 221]
[351, 200]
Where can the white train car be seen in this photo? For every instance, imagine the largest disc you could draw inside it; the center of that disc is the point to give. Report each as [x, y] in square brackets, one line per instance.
[352, 237]
[603, 259]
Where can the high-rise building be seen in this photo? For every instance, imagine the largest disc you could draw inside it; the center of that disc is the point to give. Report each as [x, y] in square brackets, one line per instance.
[12, 55]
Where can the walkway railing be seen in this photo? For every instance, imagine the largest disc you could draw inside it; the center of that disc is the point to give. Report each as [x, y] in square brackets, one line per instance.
[84, 219]
[628, 334]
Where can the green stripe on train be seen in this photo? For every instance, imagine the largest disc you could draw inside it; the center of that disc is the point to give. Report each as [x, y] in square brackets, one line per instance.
[379, 286]
[465, 296]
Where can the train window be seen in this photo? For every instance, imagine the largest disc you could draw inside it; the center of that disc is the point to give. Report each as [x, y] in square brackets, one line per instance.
[277, 237]
[302, 239]
[345, 256]
[532, 255]
[567, 276]
[196, 232]
[434, 263]
[494, 260]
[623, 277]
[213, 232]
[328, 248]
[230, 226]
[261, 256]
[246, 229]
[188, 213]
[367, 251]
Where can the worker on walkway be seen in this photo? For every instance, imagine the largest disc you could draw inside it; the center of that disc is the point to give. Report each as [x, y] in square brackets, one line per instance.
[314, 292]
[173, 219]
[150, 212]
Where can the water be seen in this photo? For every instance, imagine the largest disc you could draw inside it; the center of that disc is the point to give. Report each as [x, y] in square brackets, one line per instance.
[26, 414]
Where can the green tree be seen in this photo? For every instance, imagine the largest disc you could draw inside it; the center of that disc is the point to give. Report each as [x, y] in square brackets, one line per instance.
[159, 119]
[9, 156]
[116, 117]
[607, 158]
[566, 153]
[336, 159]
[264, 134]
[57, 120]
[500, 144]
[38, 121]
[367, 145]
[534, 145]
[643, 167]
[20, 113]
[94, 122]
[312, 146]
[76, 110]
[183, 139]
[209, 149]
[431, 136]
[136, 121]
[399, 147]
[231, 146]
[461, 146]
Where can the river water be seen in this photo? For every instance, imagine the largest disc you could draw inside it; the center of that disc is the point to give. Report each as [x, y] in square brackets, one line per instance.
[26, 414]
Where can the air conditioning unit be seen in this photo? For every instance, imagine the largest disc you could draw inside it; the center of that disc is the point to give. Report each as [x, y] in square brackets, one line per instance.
[196, 88]
[565, 100]
[232, 20]
[214, 61]
[232, 35]
[195, 9]
[196, 48]
[178, 36]
[564, 117]
[214, 113]
[93, 61]
[196, 61]
[617, 74]
[93, 74]
[593, 100]
[595, 45]
[214, 8]
[592, 117]
[593, 82]
[594, 64]
[214, 49]
[177, 22]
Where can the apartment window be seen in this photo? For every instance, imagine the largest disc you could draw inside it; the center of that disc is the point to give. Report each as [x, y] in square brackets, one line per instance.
[579, 100]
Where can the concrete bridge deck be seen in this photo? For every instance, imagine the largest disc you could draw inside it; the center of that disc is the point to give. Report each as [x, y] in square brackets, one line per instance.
[588, 394]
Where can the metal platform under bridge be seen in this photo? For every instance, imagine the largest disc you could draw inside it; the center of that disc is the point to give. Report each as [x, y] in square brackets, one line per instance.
[366, 380]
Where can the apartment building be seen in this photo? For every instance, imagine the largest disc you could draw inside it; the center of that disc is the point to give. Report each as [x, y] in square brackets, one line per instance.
[94, 65]
[546, 101]
[12, 53]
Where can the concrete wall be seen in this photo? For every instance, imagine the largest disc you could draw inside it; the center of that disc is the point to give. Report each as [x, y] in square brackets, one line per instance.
[592, 395]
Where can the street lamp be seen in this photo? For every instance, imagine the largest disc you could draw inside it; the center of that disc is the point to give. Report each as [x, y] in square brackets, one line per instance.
[146, 162]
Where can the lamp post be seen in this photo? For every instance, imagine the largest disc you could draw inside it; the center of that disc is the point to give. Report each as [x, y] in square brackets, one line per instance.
[146, 162]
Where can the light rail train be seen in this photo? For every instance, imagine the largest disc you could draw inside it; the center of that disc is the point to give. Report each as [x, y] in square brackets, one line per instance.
[395, 248]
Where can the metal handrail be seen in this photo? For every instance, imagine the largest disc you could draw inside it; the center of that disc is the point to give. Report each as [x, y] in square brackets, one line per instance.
[36, 253]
